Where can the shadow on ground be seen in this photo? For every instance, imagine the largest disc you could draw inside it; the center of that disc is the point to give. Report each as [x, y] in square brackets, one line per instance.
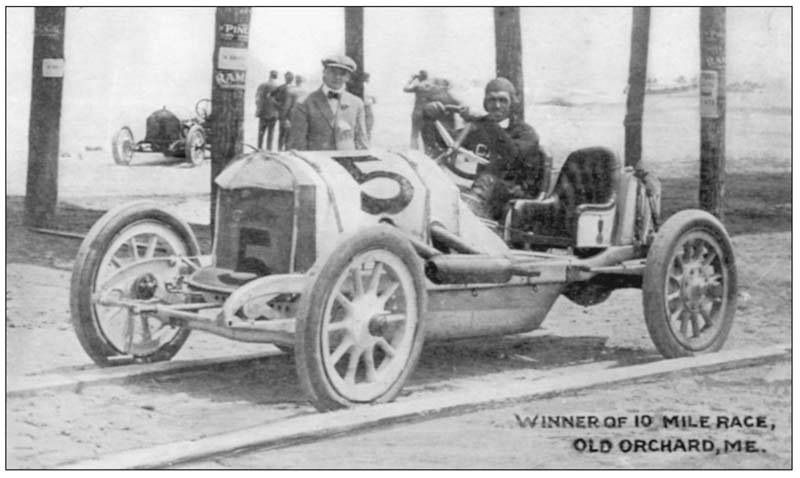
[272, 380]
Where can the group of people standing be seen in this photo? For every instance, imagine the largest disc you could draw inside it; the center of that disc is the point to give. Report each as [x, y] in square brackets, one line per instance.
[328, 118]
[274, 105]
[331, 118]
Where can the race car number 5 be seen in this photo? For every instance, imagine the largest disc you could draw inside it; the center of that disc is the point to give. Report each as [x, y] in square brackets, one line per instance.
[372, 204]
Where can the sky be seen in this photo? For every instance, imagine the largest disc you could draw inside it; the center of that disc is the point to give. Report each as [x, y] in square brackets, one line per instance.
[124, 62]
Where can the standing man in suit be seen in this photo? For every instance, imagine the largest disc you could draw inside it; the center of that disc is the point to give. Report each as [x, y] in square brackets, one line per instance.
[330, 118]
[280, 96]
[267, 109]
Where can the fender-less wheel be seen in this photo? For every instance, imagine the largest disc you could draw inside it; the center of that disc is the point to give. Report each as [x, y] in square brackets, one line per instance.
[361, 321]
[129, 255]
[689, 285]
[122, 146]
[195, 145]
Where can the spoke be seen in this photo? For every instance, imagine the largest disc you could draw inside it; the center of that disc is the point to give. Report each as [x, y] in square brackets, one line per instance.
[375, 278]
[343, 347]
[707, 317]
[714, 279]
[352, 366]
[358, 283]
[385, 346]
[677, 314]
[151, 247]
[388, 293]
[337, 326]
[344, 302]
[116, 263]
[145, 328]
[127, 333]
[683, 321]
[116, 314]
[695, 325]
[673, 295]
[134, 248]
[393, 318]
[369, 365]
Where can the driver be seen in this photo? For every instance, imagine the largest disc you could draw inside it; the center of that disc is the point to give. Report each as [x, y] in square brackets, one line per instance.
[516, 162]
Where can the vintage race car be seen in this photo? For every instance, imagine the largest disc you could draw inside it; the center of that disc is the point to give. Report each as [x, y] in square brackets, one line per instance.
[166, 133]
[352, 259]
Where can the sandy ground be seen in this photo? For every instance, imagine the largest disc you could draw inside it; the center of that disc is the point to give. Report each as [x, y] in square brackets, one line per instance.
[495, 438]
[52, 428]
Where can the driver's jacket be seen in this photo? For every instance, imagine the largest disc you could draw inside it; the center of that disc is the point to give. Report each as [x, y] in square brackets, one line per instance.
[515, 170]
[513, 152]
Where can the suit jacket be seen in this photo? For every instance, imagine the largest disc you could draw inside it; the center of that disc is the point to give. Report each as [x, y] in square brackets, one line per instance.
[266, 107]
[316, 128]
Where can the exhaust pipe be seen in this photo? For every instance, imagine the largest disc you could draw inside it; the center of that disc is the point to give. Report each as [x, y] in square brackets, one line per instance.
[476, 269]
[468, 269]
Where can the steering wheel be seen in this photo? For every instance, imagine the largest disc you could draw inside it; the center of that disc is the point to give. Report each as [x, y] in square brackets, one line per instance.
[203, 109]
[461, 161]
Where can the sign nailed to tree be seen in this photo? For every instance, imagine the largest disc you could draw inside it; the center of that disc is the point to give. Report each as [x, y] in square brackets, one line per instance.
[709, 94]
[234, 32]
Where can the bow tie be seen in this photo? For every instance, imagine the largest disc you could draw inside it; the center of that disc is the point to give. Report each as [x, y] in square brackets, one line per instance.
[332, 95]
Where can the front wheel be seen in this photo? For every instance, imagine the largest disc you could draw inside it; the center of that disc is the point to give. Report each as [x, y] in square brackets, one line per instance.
[129, 255]
[122, 146]
[361, 321]
[689, 285]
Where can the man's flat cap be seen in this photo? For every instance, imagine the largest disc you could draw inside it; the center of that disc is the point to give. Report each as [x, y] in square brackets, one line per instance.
[340, 61]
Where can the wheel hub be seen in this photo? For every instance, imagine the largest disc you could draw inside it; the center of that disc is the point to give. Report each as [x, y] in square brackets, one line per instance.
[365, 314]
[693, 287]
[144, 287]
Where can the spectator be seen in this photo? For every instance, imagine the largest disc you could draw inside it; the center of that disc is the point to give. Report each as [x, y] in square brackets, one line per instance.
[267, 109]
[330, 118]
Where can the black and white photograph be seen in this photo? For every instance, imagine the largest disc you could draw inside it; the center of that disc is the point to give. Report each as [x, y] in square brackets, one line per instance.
[398, 237]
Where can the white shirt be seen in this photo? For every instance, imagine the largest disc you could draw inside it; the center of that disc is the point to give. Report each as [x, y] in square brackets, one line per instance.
[504, 124]
[333, 103]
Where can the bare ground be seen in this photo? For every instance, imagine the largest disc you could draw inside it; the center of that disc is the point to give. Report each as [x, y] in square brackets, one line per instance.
[52, 428]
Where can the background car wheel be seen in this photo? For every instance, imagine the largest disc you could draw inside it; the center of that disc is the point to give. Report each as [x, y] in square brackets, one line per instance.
[122, 146]
[689, 285]
[361, 321]
[127, 255]
[195, 145]
[203, 109]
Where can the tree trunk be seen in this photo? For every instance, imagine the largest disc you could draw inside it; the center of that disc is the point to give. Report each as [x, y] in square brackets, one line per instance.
[508, 51]
[637, 79]
[232, 28]
[712, 109]
[354, 47]
[41, 193]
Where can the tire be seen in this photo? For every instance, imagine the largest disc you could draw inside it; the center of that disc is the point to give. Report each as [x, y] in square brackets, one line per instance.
[136, 238]
[122, 146]
[393, 340]
[689, 280]
[195, 145]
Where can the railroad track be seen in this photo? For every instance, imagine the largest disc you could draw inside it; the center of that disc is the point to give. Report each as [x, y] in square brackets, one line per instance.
[298, 423]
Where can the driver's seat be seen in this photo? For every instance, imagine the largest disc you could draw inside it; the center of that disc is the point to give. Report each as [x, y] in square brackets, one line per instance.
[586, 186]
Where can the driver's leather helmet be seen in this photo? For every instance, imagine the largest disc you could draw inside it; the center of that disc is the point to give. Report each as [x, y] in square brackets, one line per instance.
[501, 84]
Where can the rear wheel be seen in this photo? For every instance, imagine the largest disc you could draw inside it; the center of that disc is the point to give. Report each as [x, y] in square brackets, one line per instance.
[129, 255]
[122, 146]
[196, 145]
[689, 285]
[361, 322]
